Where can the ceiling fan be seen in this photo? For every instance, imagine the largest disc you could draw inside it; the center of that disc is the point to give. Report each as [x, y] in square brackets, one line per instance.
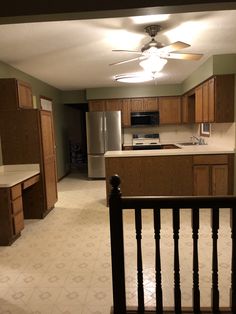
[157, 51]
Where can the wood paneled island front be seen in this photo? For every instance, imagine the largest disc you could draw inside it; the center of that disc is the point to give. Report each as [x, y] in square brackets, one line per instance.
[197, 170]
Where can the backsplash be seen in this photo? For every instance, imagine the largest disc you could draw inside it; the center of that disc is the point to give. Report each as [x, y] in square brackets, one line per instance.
[168, 133]
[222, 134]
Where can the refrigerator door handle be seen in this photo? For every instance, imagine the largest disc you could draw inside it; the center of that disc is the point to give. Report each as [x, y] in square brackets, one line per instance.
[105, 133]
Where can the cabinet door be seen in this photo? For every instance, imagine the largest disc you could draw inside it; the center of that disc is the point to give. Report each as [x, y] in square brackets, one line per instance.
[205, 102]
[211, 100]
[201, 180]
[117, 104]
[198, 104]
[219, 180]
[170, 110]
[97, 105]
[150, 104]
[126, 112]
[49, 158]
[137, 104]
[25, 95]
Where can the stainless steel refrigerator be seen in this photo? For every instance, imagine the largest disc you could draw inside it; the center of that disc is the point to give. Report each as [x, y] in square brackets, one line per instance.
[103, 134]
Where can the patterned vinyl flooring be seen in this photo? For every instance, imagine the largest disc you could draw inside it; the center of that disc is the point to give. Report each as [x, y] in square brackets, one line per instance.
[61, 264]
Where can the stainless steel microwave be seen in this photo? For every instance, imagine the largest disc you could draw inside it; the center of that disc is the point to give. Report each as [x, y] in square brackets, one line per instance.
[150, 118]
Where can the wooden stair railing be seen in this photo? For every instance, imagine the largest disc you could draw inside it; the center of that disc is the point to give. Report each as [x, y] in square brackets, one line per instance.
[117, 204]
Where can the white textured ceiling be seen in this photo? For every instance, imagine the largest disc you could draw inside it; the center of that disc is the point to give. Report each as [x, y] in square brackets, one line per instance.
[72, 55]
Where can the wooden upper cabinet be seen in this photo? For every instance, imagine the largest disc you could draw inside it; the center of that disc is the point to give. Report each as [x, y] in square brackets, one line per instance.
[170, 110]
[198, 104]
[136, 104]
[126, 120]
[150, 104]
[204, 102]
[15, 94]
[214, 101]
[25, 95]
[97, 105]
[224, 98]
[123, 106]
[144, 104]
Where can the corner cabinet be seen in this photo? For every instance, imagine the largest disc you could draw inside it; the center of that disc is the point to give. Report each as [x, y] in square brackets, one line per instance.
[214, 100]
[213, 174]
[27, 137]
[15, 94]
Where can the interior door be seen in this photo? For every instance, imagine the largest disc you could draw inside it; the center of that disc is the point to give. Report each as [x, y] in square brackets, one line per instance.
[49, 157]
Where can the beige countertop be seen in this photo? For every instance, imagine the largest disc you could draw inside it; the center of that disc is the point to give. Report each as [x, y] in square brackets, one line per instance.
[182, 150]
[11, 175]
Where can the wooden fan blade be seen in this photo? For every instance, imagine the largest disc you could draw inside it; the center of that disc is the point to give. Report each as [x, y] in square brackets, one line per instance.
[174, 47]
[129, 60]
[129, 51]
[185, 56]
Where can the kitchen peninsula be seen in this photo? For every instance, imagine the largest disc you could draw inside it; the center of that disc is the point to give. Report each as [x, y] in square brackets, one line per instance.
[19, 195]
[186, 170]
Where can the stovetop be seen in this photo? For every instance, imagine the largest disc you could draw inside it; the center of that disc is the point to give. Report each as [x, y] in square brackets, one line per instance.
[146, 140]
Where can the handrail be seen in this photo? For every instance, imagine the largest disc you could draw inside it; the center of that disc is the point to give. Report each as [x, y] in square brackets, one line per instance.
[117, 204]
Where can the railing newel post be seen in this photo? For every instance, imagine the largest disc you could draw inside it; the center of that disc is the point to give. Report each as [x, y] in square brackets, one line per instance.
[117, 247]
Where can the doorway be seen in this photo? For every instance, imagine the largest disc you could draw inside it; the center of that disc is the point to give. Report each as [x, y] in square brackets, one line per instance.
[76, 136]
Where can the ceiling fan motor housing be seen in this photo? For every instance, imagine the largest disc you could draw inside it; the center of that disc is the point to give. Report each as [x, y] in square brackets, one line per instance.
[152, 30]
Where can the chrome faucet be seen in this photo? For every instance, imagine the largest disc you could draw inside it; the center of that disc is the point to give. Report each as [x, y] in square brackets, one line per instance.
[200, 140]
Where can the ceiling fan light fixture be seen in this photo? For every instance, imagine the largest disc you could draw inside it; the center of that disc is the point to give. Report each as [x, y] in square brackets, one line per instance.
[153, 64]
[139, 77]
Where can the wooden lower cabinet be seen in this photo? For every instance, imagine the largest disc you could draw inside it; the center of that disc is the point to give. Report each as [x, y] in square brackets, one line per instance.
[213, 175]
[173, 175]
[11, 214]
[151, 175]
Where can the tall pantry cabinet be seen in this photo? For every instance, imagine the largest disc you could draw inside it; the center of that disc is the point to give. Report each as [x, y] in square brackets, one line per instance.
[27, 137]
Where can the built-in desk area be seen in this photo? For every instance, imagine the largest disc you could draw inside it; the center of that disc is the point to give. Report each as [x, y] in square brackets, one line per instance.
[18, 185]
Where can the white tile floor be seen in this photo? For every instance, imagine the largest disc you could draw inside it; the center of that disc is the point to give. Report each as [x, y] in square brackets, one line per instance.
[61, 264]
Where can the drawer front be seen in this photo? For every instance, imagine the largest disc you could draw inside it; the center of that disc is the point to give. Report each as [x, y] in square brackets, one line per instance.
[18, 222]
[15, 191]
[210, 159]
[30, 182]
[17, 205]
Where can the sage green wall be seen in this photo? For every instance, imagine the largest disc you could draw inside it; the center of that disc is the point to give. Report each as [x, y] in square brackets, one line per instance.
[74, 97]
[224, 64]
[134, 91]
[201, 74]
[41, 88]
